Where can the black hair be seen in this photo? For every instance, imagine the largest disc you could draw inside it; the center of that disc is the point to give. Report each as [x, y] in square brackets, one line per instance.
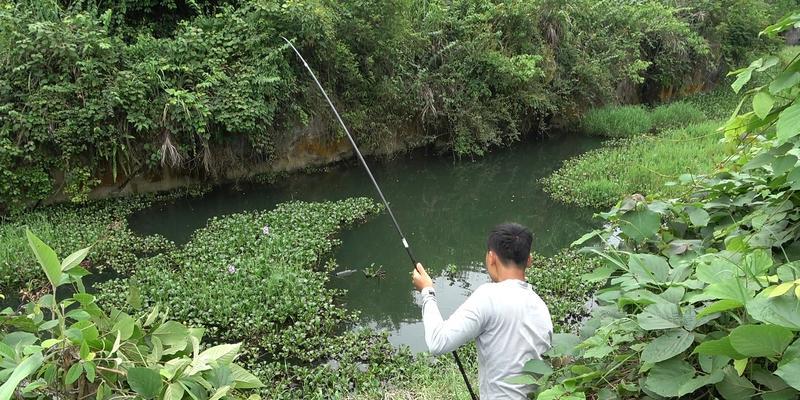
[511, 242]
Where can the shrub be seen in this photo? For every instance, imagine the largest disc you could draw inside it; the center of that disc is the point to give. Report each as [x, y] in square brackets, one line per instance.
[637, 165]
[67, 227]
[617, 121]
[701, 292]
[676, 115]
[72, 348]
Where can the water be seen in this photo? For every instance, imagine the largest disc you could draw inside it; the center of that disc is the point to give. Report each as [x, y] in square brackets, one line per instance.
[445, 207]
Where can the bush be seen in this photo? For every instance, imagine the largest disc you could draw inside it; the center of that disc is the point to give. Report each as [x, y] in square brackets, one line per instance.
[49, 352]
[67, 227]
[637, 165]
[701, 292]
[617, 121]
[95, 89]
[676, 115]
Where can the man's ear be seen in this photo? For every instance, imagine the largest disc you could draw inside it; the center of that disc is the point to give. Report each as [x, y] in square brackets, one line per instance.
[530, 261]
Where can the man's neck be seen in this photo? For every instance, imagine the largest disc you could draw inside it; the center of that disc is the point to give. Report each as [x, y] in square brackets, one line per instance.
[506, 273]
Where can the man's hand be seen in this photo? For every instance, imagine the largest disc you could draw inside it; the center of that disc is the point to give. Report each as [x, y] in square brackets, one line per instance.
[420, 278]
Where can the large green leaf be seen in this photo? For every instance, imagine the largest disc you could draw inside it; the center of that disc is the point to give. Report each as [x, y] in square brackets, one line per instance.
[735, 387]
[760, 340]
[660, 316]
[640, 224]
[782, 310]
[697, 216]
[719, 347]
[783, 81]
[666, 346]
[145, 382]
[21, 371]
[649, 268]
[74, 259]
[762, 104]
[665, 378]
[47, 258]
[789, 123]
[243, 379]
[790, 372]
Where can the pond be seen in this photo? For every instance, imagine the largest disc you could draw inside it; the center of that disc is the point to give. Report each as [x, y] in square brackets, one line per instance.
[445, 207]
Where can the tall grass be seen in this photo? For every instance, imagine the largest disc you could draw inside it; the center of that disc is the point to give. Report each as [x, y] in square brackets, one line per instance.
[617, 121]
[676, 115]
[641, 164]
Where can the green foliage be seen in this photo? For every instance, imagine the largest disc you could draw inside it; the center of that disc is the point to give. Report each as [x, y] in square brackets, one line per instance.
[617, 121]
[643, 164]
[701, 292]
[72, 348]
[67, 227]
[676, 115]
[553, 279]
[260, 278]
[98, 91]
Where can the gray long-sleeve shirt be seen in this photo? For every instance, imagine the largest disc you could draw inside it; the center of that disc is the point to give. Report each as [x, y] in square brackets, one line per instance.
[510, 325]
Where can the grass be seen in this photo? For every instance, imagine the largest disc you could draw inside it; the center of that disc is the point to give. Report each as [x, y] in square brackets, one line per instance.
[634, 120]
[642, 164]
[617, 121]
[675, 115]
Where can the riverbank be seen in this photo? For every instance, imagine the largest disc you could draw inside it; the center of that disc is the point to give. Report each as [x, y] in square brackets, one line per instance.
[150, 103]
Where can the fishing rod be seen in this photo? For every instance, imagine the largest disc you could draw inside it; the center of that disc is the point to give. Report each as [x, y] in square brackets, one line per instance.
[380, 193]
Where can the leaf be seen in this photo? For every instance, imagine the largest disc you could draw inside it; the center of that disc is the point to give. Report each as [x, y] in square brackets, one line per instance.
[124, 325]
[735, 387]
[219, 393]
[73, 374]
[640, 225]
[563, 344]
[660, 316]
[47, 258]
[665, 377]
[719, 306]
[789, 123]
[742, 79]
[648, 268]
[74, 259]
[174, 392]
[144, 381]
[667, 346]
[693, 384]
[599, 274]
[780, 311]
[760, 340]
[783, 81]
[740, 365]
[223, 354]
[90, 370]
[719, 347]
[537, 366]
[783, 164]
[521, 380]
[781, 289]
[21, 371]
[790, 372]
[697, 216]
[762, 104]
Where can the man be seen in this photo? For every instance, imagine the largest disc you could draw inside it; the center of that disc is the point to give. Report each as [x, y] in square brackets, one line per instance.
[507, 319]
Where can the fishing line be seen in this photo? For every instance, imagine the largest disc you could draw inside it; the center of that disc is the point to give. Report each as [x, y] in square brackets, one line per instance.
[378, 189]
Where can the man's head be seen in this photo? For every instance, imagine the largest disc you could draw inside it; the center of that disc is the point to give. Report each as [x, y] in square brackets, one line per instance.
[509, 251]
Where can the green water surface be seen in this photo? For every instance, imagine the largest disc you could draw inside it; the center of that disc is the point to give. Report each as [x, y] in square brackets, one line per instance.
[446, 208]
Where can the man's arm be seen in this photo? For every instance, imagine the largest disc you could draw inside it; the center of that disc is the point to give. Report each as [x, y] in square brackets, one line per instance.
[444, 336]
